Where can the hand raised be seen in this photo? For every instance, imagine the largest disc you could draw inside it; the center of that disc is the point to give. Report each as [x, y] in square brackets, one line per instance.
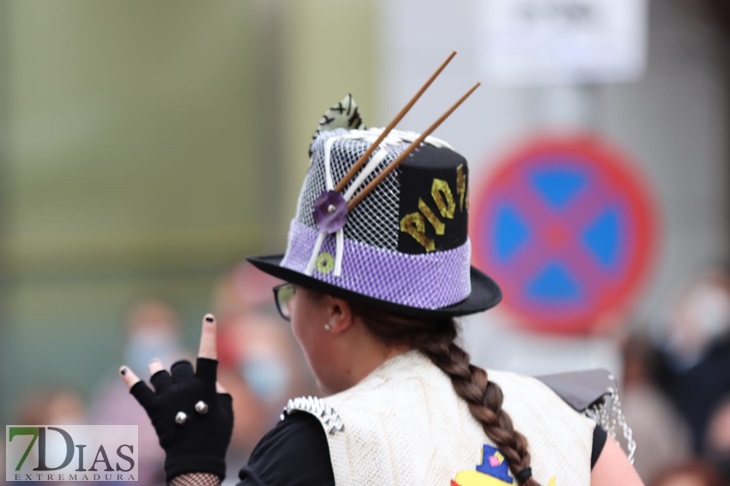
[192, 415]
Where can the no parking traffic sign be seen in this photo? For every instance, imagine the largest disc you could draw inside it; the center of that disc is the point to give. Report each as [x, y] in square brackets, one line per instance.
[566, 229]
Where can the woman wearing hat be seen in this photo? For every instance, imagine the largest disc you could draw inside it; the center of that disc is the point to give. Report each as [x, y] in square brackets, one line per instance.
[377, 267]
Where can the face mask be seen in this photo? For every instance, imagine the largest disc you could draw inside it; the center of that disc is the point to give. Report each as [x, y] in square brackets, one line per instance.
[705, 317]
[712, 311]
[146, 344]
[268, 377]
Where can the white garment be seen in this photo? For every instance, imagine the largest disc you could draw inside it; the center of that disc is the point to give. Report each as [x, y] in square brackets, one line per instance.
[405, 425]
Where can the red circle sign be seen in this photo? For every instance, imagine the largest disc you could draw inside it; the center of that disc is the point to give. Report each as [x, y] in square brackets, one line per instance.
[566, 229]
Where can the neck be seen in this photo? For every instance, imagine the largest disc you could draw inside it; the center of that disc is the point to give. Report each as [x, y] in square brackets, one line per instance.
[361, 355]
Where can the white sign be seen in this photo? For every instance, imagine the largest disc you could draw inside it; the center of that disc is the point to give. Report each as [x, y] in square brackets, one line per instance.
[80, 453]
[561, 41]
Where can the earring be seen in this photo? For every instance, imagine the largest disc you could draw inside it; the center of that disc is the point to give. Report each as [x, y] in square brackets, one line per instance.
[327, 327]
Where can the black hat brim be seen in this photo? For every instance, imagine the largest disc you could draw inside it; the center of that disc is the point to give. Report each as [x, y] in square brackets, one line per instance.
[485, 293]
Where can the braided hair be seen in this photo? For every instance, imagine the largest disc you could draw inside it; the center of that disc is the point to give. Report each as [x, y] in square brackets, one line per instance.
[435, 338]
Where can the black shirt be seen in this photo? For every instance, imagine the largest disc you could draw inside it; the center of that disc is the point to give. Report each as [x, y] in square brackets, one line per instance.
[295, 453]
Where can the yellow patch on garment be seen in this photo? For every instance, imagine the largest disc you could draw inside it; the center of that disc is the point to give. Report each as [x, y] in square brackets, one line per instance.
[475, 478]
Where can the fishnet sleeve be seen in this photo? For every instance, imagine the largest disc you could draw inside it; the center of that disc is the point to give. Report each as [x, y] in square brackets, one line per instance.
[196, 479]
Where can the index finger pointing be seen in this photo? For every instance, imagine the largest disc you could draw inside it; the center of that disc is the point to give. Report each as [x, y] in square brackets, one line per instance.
[208, 343]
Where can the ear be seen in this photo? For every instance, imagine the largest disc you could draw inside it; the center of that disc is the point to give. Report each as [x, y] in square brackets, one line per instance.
[340, 315]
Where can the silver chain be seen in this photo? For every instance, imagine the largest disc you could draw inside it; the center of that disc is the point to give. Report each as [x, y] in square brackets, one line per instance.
[608, 414]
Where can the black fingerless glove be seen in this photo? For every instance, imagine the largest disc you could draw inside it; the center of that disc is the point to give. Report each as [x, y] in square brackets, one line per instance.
[193, 422]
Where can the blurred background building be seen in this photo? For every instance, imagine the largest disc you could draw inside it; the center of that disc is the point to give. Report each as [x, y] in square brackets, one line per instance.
[147, 147]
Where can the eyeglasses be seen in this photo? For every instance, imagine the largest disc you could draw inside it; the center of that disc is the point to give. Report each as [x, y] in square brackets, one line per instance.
[282, 296]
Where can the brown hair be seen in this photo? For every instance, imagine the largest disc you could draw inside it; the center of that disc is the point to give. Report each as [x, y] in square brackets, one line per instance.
[436, 339]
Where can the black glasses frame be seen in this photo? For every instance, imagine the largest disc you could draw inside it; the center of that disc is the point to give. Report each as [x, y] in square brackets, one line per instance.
[282, 296]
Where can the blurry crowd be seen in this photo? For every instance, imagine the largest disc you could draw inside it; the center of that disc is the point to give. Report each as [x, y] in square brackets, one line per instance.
[260, 365]
[675, 386]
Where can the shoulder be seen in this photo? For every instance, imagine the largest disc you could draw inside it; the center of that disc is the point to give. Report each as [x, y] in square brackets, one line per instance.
[572, 393]
[294, 452]
[526, 393]
[540, 411]
[517, 387]
[294, 431]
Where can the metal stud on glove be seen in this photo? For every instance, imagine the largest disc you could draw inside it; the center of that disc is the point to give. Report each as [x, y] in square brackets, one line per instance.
[201, 407]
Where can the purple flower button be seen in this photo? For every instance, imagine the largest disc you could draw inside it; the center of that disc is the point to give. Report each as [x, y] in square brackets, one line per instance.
[330, 212]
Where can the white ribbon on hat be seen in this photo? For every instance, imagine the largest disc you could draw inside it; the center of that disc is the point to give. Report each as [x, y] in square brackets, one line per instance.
[369, 168]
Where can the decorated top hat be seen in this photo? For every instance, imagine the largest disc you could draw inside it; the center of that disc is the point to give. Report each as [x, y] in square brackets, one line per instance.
[382, 221]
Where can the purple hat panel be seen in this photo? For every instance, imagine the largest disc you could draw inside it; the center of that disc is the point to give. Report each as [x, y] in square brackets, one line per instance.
[427, 281]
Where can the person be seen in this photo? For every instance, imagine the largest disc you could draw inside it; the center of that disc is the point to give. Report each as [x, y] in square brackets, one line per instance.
[694, 361]
[717, 448]
[58, 404]
[656, 425]
[377, 270]
[151, 328]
